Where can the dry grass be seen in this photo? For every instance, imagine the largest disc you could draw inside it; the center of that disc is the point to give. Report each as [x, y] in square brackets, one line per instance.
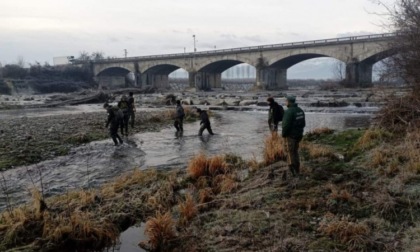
[317, 150]
[187, 209]
[273, 149]
[228, 185]
[253, 164]
[371, 137]
[198, 166]
[355, 235]
[384, 203]
[80, 230]
[338, 195]
[205, 195]
[379, 158]
[161, 231]
[217, 165]
[412, 150]
[319, 132]
[133, 178]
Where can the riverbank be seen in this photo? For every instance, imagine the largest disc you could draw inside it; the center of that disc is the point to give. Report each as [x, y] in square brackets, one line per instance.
[358, 192]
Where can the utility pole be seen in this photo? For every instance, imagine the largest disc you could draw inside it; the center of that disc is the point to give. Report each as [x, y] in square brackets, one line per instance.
[125, 53]
[195, 49]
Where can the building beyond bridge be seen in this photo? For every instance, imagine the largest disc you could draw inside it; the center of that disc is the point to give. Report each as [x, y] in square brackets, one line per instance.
[271, 63]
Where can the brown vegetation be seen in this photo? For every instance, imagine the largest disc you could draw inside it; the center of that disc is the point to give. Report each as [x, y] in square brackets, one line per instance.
[273, 149]
[161, 231]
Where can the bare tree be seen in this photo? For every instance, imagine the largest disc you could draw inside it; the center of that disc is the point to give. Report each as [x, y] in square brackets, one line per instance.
[20, 62]
[405, 16]
[339, 70]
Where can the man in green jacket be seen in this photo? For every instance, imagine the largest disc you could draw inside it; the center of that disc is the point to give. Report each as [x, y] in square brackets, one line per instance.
[292, 131]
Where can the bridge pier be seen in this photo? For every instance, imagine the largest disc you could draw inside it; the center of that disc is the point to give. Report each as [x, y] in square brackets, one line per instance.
[111, 82]
[272, 78]
[205, 81]
[359, 74]
[155, 80]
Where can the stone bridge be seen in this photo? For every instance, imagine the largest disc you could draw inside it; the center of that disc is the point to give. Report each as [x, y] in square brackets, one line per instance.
[271, 62]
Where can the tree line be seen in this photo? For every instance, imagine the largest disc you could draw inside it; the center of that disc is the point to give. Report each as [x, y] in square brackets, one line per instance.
[46, 71]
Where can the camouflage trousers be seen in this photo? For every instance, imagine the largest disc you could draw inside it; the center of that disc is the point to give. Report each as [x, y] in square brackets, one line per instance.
[291, 148]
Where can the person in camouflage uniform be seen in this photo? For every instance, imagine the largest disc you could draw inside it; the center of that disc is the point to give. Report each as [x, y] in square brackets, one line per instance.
[114, 120]
[292, 131]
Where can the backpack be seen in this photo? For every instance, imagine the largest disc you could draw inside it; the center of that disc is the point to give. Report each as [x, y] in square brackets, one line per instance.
[123, 105]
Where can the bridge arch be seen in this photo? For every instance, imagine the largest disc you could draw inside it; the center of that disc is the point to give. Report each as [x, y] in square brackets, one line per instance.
[158, 75]
[113, 71]
[289, 61]
[115, 77]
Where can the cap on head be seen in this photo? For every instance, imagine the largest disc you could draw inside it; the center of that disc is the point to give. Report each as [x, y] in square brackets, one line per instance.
[291, 98]
[270, 99]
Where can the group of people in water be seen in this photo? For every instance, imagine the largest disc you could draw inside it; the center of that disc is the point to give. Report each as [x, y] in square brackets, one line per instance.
[120, 116]
[293, 123]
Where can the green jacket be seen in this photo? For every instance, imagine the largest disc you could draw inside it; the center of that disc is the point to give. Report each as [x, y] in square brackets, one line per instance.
[293, 122]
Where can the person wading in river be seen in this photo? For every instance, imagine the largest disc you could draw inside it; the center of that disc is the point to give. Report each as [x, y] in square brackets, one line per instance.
[205, 122]
[179, 117]
[123, 106]
[131, 109]
[275, 114]
[292, 132]
[114, 119]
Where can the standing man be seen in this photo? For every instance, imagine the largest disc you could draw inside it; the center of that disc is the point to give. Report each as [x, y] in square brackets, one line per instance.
[131, 109]
[123, 106]
[275, 114]
[114, 119]
[179, 117]
[205, 122]
[292, 132]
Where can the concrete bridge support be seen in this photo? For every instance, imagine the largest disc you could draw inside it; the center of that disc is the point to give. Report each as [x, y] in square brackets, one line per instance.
[272, 78]
[191, 79]
[359, 74]
[155, 80]
[205, 81]
[111, 82]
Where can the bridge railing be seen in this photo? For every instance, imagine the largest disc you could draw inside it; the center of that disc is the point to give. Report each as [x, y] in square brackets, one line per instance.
[373, 37]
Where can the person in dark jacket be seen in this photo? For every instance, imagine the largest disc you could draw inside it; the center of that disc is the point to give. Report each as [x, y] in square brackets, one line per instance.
[205, 122]
[114, 120]
[275, 114]
[123, 106]
[292, 131]
[131, 109]
[179, 117]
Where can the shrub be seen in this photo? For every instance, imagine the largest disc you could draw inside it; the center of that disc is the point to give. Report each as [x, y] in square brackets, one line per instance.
[198, 166]
[160, 230]
[187, 209]
[273, 149]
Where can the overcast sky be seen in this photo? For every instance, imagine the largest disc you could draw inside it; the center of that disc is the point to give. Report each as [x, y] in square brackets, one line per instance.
[38, 30]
